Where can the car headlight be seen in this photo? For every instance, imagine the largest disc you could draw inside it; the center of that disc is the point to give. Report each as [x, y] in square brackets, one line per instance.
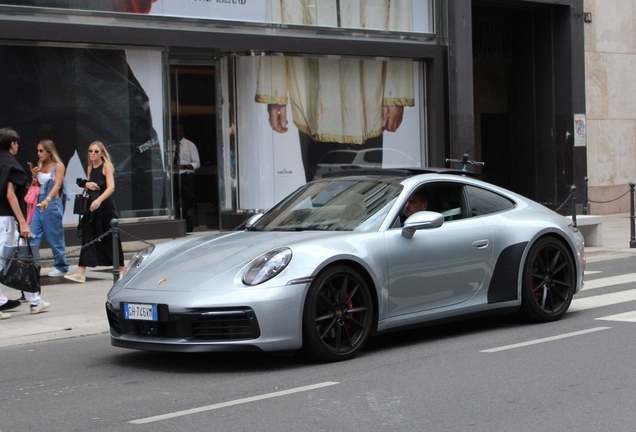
[267, 266]
[137, 259]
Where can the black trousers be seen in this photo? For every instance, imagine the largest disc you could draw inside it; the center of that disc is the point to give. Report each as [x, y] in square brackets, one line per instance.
[313, 151]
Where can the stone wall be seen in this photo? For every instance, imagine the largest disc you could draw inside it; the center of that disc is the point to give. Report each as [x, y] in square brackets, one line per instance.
[610, 73]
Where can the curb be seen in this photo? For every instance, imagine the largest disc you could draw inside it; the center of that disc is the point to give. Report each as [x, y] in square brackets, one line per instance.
[70, 333]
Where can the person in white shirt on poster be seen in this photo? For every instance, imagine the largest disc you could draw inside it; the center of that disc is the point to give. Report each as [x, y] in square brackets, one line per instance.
[185, 162]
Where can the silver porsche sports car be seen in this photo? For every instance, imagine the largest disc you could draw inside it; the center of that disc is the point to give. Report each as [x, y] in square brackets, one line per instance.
[338, 261]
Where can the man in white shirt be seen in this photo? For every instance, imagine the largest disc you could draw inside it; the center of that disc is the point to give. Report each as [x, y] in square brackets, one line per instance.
[185, 162]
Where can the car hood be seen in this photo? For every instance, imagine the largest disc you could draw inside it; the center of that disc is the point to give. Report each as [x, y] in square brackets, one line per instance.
[194, 264]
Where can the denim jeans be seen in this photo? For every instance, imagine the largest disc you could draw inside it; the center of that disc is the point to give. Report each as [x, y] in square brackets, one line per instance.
[49, 223]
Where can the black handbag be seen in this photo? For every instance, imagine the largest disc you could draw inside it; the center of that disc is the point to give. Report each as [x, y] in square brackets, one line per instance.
[82, 204]
[21, 268]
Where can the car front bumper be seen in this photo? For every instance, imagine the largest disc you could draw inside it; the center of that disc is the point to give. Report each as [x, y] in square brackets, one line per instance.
[250, 319]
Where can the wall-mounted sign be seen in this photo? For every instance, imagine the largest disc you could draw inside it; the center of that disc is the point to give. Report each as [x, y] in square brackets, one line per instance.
[580, 131]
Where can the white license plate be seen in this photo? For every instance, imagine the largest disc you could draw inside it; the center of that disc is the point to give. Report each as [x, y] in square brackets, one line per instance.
[137, 311]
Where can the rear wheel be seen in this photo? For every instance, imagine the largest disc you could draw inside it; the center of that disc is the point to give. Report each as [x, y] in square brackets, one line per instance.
[549, 281]
[337, 316]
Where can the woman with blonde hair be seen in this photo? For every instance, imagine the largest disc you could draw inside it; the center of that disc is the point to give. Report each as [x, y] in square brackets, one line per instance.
[99, 186]
[48, 215]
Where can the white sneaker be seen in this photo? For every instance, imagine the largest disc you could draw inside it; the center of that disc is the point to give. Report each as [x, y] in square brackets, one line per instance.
[57, 273]
[4, 315]
[40, 307]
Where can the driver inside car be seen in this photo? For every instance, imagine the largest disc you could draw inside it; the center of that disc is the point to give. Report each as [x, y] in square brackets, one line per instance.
[418, 201]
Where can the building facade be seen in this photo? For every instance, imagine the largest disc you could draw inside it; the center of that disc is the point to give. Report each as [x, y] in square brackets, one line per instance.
[274, 93]
[610, 58]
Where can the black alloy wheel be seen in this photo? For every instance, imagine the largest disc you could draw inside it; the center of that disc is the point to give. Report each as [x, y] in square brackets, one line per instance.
[338, 314]
[549, 281]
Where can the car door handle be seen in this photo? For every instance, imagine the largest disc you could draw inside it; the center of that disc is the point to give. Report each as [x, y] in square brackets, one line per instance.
[481, 244]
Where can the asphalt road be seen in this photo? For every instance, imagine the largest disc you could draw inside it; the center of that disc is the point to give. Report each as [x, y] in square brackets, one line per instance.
[491, 374]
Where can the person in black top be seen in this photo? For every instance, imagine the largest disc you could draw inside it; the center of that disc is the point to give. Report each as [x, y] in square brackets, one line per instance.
[14, 182]
[100, 187]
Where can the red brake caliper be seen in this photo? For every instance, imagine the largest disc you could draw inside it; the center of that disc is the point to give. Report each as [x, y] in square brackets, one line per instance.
[349, 306]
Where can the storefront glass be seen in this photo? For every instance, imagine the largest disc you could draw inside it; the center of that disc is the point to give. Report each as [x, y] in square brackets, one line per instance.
[74, 96]
[393, 15]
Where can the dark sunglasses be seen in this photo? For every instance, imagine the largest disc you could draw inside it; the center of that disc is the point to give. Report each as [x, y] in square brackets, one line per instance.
[40, 150]
[93, 151]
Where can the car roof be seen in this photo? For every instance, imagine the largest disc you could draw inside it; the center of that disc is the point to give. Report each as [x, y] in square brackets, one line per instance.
[398, 172]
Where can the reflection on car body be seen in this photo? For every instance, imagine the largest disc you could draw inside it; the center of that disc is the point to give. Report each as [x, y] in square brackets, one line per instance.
[333, 264]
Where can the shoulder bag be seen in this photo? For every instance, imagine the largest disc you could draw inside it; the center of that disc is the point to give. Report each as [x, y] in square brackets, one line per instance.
[21, 267]
[82, 204]
[31, 199]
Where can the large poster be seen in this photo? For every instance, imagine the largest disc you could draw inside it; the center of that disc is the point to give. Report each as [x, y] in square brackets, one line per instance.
[396, 15]
[74, 96]
[303, 118]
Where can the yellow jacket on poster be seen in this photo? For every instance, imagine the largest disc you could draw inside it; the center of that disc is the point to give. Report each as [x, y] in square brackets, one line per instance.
[338, 100]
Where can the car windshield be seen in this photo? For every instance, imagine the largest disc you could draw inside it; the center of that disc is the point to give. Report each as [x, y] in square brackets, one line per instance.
[332, 205]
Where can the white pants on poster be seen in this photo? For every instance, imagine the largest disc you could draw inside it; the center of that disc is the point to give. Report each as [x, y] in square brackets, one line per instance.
[9, 236]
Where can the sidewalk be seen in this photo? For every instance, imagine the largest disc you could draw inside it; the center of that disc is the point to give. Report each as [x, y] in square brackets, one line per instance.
[79, 309]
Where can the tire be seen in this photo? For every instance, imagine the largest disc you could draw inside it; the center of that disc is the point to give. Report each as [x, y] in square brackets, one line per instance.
[549, 281]
[338, 315]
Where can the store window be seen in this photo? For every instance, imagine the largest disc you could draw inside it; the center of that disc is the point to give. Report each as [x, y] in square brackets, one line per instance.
[301, 118]
[75, 96]
[413, 16]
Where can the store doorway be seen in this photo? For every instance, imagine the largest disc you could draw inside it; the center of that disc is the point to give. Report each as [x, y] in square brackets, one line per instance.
[193, 116]
[520, 82]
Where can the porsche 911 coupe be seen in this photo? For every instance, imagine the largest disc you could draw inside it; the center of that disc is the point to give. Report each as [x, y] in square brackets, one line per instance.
[338, 261]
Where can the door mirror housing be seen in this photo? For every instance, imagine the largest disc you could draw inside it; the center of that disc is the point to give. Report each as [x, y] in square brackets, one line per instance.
[421, 220]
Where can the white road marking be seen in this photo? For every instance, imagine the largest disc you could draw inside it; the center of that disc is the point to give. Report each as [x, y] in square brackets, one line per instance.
[548, 339]
[609, 281]
[602, 300]
[591, 272]
[626, 317]
[232, 403]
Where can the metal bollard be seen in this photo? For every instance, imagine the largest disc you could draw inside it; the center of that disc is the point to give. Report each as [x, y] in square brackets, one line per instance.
[632, 242]
[573, 195]
[585, 195]
[114, 223]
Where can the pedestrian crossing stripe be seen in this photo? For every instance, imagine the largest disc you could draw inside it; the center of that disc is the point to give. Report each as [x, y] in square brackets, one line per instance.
[602, 300]
[626, 317]
[609, 281]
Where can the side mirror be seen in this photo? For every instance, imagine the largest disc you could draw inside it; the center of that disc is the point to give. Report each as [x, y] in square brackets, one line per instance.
[421, 220]
[252, 219]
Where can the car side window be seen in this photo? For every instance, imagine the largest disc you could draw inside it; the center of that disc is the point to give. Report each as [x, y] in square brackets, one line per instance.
[446, 198]
[483, 202]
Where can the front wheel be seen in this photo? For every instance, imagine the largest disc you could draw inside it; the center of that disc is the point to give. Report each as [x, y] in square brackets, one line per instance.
[549, 281]
[338, 314]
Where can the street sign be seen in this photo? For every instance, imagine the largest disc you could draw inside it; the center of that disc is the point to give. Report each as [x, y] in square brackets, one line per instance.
[580, 131]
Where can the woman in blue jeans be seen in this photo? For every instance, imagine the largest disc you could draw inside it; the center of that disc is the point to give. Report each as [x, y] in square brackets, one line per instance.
[47, 219]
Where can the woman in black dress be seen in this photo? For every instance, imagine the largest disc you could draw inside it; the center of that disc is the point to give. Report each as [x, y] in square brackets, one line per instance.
[100, 186]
